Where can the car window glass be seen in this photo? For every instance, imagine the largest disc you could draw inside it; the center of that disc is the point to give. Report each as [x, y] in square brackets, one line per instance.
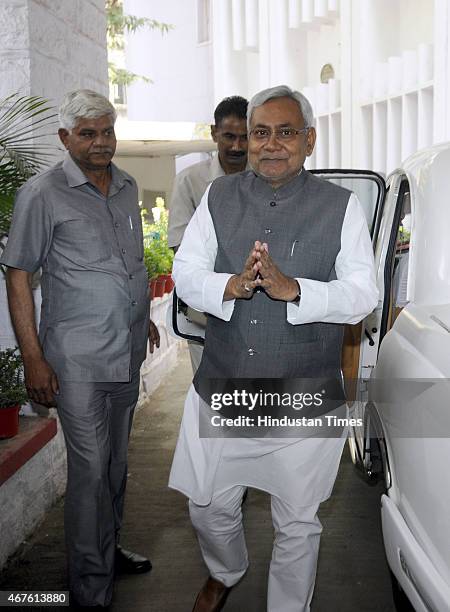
[369, 189]
[397, 258]
[401, 261]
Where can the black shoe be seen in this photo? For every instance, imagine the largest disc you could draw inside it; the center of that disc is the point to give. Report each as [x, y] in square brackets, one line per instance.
[130, 563]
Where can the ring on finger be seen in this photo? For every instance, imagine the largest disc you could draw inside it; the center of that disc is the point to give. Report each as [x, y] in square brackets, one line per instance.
[247, 288]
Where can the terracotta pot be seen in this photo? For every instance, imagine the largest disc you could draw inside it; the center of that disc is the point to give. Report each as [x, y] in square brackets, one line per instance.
[169, 282]
[9, 421]
[159, 287]
[152, 285]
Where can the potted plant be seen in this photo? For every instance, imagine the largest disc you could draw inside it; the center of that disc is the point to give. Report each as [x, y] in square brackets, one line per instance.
[158, 257]
[151, 261]
[12, 391]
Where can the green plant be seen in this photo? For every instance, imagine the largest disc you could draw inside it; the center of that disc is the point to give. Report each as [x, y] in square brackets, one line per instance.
[151, 262]
[23, 119]
[158, 257]
[12, 389]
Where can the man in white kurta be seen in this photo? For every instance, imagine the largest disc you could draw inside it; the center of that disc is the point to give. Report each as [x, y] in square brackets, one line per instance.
[298, 473]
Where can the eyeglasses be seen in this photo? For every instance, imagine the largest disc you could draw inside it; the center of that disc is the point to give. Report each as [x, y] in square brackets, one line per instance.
[281, 134]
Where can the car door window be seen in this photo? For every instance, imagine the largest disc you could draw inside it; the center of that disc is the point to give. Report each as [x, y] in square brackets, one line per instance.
[397, 259]
[399, 292]
[368, 186]
[370, 189]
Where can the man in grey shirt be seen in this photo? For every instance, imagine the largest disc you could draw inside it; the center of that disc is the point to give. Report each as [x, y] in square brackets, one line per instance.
[230, 133]
[80, 222]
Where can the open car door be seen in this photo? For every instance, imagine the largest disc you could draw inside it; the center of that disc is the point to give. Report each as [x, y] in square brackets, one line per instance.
[361, 341]
[186, 322]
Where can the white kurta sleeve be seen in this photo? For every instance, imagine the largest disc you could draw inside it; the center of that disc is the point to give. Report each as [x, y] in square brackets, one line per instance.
[193, 269]
[354, 293]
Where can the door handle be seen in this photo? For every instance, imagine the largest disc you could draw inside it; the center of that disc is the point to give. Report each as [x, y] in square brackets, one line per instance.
[369, 337]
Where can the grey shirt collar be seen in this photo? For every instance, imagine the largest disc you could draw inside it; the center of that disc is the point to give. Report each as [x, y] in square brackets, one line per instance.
[76, 177]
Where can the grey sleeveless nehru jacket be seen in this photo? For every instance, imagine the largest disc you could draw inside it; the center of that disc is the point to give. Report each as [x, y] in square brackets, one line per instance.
[301, 223]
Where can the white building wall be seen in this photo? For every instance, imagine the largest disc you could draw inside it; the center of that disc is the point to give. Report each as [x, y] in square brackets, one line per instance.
[177, 64]
[390, 58]
[14, 47]
[155, 174]
[48, 47]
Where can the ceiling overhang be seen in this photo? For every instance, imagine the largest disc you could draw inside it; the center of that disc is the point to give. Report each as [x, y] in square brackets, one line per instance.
[162, 148]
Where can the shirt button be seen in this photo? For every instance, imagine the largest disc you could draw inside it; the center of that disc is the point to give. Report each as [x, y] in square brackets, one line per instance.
[134, 303]
[124, 251]
[273, 203]
[253, 321]
[131, 276]
[267, 231]
[251, 352]
[116, 224]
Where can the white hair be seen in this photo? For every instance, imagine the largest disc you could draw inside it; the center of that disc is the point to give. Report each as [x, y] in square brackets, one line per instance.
[282, 91]
[84, 104]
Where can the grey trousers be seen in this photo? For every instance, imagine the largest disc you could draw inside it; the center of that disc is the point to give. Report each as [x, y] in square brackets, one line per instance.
[96, 419]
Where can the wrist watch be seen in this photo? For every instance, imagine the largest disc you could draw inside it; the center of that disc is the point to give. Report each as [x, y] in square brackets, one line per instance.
[296, 300]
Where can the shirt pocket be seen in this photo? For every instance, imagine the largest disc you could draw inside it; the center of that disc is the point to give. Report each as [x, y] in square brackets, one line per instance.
[82, 240]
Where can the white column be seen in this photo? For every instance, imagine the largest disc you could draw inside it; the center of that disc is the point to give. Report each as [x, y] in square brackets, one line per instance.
[251, 24]
[409, 125]
[226, 70]
[307, 11]
[366, 141]
[321, 9]
[441, 70]
[280, 57]
[238, 24]
[426, 120]
[425, 63]
[335, 140]
[294, 13]
[394, 129]
[409, 79]
[264, 44]
[322, 145]
[333, 7]
[379, 136]
[349, 92]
